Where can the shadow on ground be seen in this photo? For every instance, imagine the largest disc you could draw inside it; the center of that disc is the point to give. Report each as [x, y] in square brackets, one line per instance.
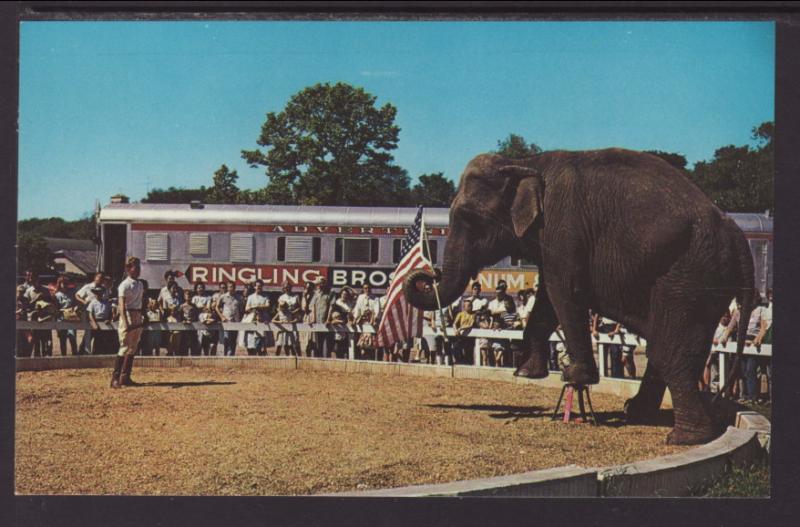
[184, 384]
[501, 411]
[610, 419]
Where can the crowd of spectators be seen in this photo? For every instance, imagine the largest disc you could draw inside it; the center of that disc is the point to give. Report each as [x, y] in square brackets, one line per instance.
[317, 303]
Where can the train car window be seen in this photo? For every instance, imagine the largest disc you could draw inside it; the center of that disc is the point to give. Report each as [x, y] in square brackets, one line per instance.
[156, 246]
[198, 243]
[374, 250]
[281, 248]
[355, 250]
[299, 249]
[434, 246]
[316, 249]
[242, 247]
[396, 244]
[524, 262]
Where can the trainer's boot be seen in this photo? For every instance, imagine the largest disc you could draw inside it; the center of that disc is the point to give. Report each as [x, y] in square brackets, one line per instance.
[115, 375]
[127, 367]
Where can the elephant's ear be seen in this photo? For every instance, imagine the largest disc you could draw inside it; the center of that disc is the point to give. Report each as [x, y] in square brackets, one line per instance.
[527, 197]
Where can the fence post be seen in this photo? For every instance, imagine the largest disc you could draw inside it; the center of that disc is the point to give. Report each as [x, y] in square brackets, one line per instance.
[601, 358]
[351, 347]
[723, 370]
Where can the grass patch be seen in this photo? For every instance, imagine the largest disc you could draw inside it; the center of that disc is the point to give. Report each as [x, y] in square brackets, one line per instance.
[749, 482]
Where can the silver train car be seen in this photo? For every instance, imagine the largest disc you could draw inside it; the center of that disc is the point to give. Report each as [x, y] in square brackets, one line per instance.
[349, 246]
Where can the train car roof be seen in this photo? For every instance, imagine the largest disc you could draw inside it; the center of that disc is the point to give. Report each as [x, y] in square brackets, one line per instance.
[319, 215]
[271, 214]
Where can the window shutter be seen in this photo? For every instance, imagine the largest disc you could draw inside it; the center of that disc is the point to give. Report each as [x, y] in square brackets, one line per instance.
[299, 249]
[242, 247]
[156, 246]
[198, 243]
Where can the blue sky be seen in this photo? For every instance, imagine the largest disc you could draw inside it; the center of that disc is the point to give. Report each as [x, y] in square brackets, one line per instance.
[109, 107]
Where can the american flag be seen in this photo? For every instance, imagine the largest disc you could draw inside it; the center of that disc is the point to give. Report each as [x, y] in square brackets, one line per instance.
[402, 321]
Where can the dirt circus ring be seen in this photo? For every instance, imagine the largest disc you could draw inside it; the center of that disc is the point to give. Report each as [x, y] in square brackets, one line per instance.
[286, 426]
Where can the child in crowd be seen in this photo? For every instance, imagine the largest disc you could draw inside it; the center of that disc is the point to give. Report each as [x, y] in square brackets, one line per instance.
[152, 338]
[189, 314]
[498, 345]
[484, 322]
[206, 317]
[286, 341]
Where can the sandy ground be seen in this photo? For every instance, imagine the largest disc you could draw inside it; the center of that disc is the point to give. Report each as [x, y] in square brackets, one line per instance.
[233, 432]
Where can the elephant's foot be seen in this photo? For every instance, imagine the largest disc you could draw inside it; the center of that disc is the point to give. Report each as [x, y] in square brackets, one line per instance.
[638, 409]
[691, 436]
[534, 367]
[581, 372]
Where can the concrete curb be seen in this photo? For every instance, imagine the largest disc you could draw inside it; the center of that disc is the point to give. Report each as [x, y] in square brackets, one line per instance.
[674, 475]
[562, 481]
[679, 474]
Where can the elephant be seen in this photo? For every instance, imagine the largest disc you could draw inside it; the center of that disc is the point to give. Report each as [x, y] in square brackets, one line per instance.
[620, 232]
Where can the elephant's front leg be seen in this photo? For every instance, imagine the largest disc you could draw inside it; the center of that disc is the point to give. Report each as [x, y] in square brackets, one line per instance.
[570, 302]
[535, 340]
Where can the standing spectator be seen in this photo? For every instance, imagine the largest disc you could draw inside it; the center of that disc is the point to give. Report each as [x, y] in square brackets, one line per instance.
[511, 321]
[498, 346]
[217, 336]
[130, 294]
[42, 309]
[295, 311]
[286, 340]
[152, 337]
[343, 306]
[765, 337]
[756, 325]
[23, 336]
[172, 304]
[628, 354]
[479, 304]
[256, 310]
[84, 296]
[166, 292]
[366, 312]
[229, 309]
[710, 381]
[306, 343]
[189, 315]
[99, 310]
[601, 324]
[484, 344]
[65, 303]
[320, 307]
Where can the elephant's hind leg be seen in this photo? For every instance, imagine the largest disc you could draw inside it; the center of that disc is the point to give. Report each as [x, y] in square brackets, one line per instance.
[644, 406]
[693, 419]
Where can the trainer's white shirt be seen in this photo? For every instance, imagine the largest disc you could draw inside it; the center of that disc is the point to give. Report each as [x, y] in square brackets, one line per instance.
[131, 291]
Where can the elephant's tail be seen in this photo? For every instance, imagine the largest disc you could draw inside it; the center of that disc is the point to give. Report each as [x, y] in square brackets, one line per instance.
[745, 295]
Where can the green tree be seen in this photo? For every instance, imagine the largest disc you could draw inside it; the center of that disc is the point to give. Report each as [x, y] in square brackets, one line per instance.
[330, 146]
[433, 190]
[515, 147]
[740, 178]
[224, 189]
[83, 228]
[676, 160]
[175, 195]
[33, 253]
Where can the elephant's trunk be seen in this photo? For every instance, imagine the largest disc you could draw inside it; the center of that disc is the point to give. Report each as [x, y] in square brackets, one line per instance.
[454, 280]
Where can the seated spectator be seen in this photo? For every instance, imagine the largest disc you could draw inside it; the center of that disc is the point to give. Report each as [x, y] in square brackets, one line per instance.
[484, 345]
[464, 346]
[499, 346]
[479, 304]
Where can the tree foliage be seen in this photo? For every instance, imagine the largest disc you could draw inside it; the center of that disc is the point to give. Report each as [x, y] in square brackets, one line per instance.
[224, 189]
[175, 195]
[676, 160]
[330, 146]
[83, 228]
[33, 253]
[515, 147]
[433, 190]
[740, 178]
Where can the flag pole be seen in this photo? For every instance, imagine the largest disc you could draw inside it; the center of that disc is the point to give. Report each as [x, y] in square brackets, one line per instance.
[435, 286]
